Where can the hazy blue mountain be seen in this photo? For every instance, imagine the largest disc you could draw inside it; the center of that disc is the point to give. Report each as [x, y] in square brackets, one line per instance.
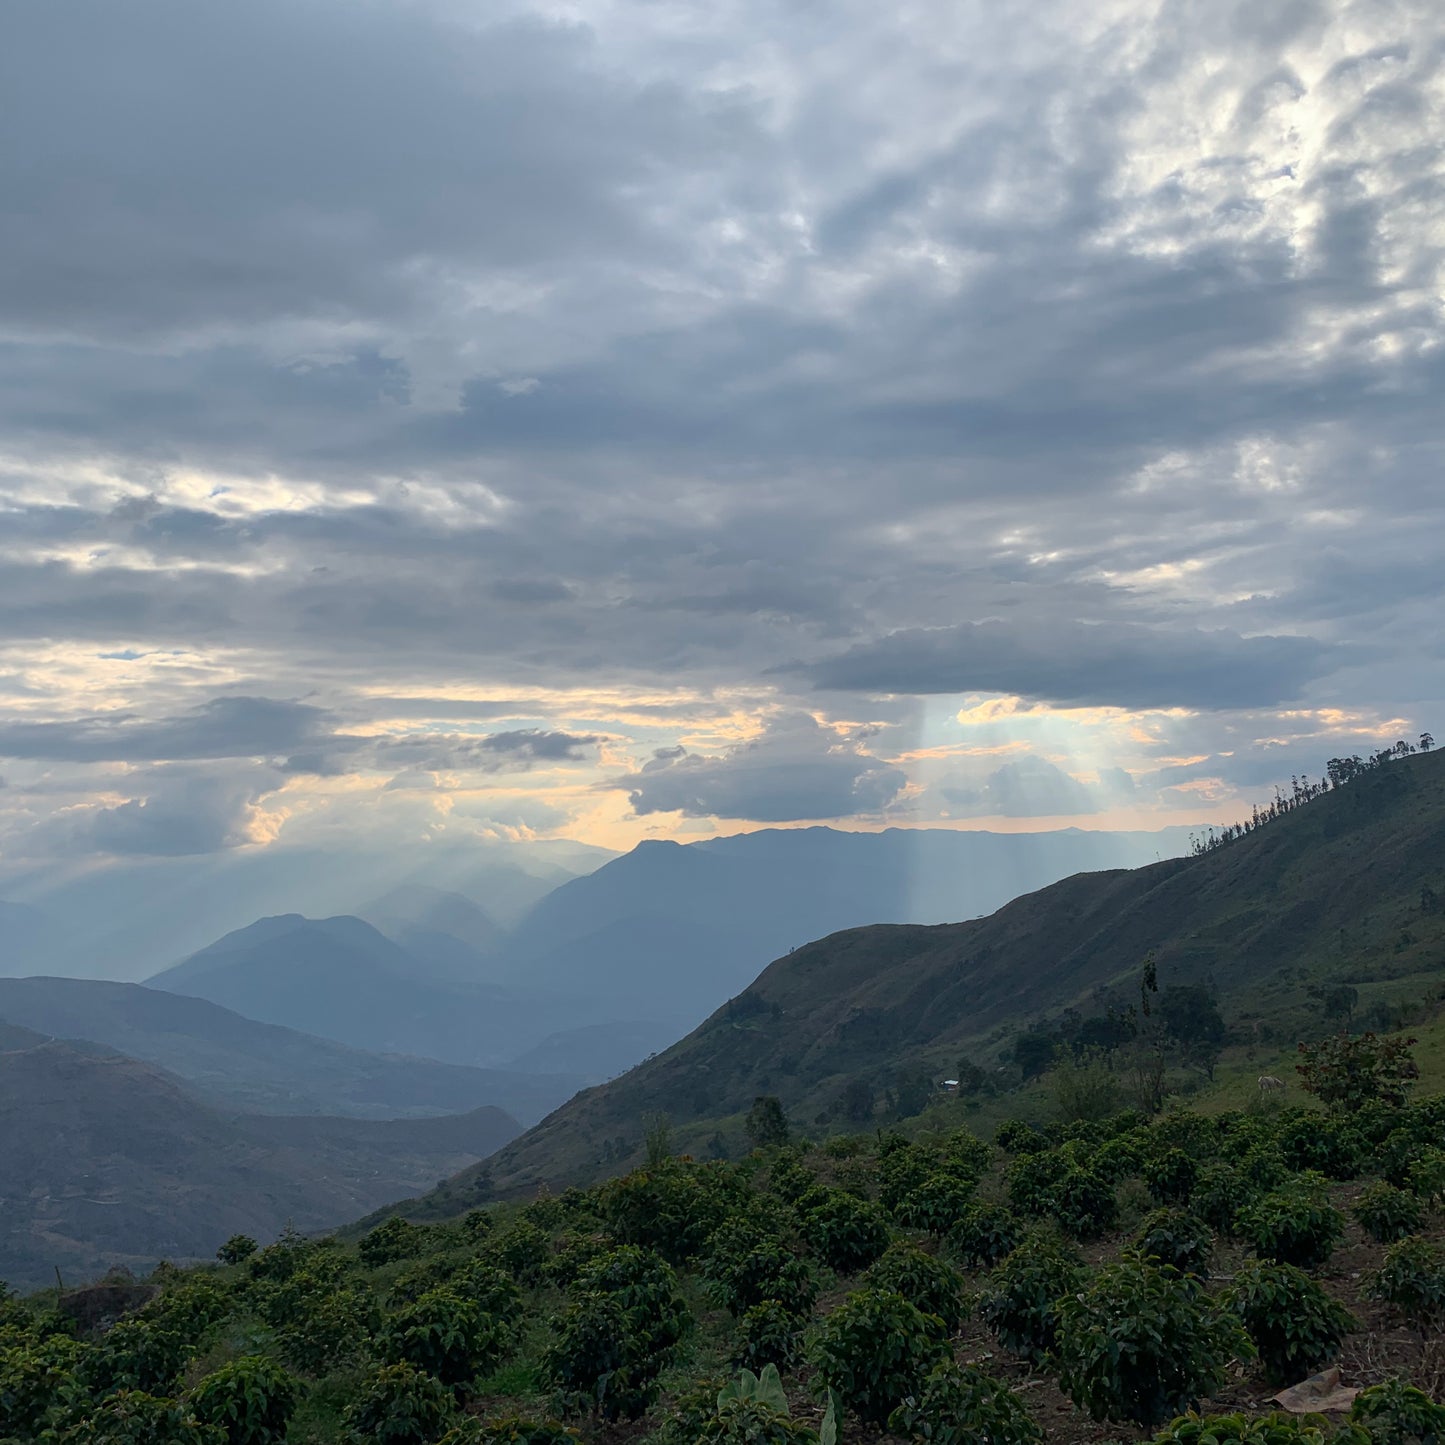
[147, 1172]
[418, 910]
[597, 1051]
[669, 931]
[259, 1067]
[29, 938]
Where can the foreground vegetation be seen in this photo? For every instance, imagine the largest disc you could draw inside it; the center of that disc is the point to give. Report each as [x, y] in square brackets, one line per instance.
[1097, 1280]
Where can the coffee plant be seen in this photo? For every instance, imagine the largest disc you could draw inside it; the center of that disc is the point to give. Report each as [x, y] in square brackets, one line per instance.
[1294, 1325]
[398, 1404]
[1175, 1237]
[1021, 1301]
[1295, 1224]
[847, 1234]
[930, 1283]
[1143, 1342]
[447, 1336]
[1169, 1176]
[984, 1235]
[1396, 1413]
[1386, 1213]
[1277, 1428]
[250, 1399]
[875, 1350]
[1412, 1279]
[961, 1405]
[769, 1334]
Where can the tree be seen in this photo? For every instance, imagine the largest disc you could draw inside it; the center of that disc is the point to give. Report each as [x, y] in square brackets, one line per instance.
[1346, 1073]
[1034, 1053]
[1192, 1020]
[1426, 742]
[1336, 1002]
[856, 1104]
[766, 1123]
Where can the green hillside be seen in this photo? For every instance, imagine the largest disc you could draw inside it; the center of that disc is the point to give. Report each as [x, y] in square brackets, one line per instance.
[1330, 891]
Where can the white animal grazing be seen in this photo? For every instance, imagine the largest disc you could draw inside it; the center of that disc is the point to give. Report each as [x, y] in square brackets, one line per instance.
[1268, 1083]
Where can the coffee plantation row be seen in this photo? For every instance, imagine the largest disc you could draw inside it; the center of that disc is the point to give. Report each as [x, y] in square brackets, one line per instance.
[1098, 1281]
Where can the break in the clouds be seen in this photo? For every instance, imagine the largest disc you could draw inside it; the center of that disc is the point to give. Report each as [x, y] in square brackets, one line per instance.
[616, 419]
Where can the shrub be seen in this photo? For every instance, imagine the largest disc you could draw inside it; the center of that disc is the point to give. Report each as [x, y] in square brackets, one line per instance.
[135, 1355]
[961, 1405]
[875, 1350]
[34, 1378]
[132, 1417]
[514, 1430]
[984, 1235]
[1021, 1303]
[1396, 1413]
[1386, 1213]
[1016, 1137]
[745, 1276]
[936, 1204]
[447, 1336]
[523, 1251]
[1084, 1204]
[1142, 1342]
[600, 1362]
[1412, 1279]
[847, 1234]
[769, 1334]
[931, 1284]
[250, 1399]
[1220, 1192]
[1175, 1237]
[1273, 1429]
[671, 1209]
[331, 1329]
[1427, 1174]
[1294, 1324]
[1295, 1224]
[391, 1240]
[1345, 1073]
[1327, 1145]
[1263, 1166]
[645, 1286]
[398, 1405]
[1031, 1180]
[237, 1249]
[1169, 1176]
[967, 1155]
[1117, 1158]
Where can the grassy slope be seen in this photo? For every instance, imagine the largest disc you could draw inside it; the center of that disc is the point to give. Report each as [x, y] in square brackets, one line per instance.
[1330, 891]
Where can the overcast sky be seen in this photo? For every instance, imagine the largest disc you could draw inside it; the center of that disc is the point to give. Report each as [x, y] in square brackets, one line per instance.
[425, 418]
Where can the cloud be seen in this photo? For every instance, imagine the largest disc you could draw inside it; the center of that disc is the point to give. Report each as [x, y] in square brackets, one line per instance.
[222, 727]
[796, 770]
[1083, 664]
[1027, 787]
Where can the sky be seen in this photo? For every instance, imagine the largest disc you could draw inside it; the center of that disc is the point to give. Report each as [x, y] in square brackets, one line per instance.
[426, 421]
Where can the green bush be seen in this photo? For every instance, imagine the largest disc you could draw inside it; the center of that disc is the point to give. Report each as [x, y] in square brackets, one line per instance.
[1032, 1179]
[1016, 1137]
[398, 1404]
[769, 1334]
[1277, 1428]
[1295, 1224]
[1220, 1192]
[1294, 1324]
[1020, 1304]
[1386, 1213]
[1396, 1413]
[923, 1280]
[1427, 1174]
[645, 1286]
[966, 1154]
[132, 1417]
[330, 1329]
[1175, 1237]
[35, 1378]
[847, 1234]
[901, 1170]
[1084, 1204]
[1169, 1175]
[391, 1240]
[250, 1399]
[447, 1336]
[1142, 1342]
[737, 1278]
[875, 1350]
[936, 1204]
[600, 1362]
[237, 1249]
[136, 1355]
[513, 1430]
[984, 1235]
[672, 1208]
[1412, 1279]
[523, 1251]
[1117, 1158]
[961, 1405]
[1330, 1146]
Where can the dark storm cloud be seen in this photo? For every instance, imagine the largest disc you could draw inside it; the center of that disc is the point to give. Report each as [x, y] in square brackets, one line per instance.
[795, 770]
[224, 727]
[1079, 664]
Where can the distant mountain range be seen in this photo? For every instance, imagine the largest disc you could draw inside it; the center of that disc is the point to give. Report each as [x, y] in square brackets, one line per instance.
[108, 1160]
[239, 1064]
[1345, 888]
